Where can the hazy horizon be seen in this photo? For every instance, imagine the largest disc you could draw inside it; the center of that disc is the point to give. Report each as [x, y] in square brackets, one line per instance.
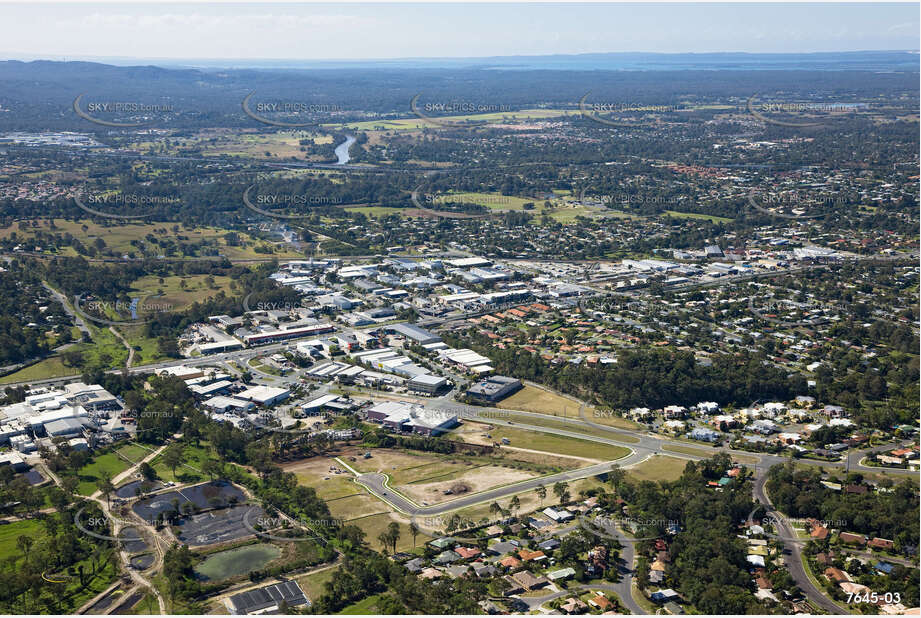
[249, 32]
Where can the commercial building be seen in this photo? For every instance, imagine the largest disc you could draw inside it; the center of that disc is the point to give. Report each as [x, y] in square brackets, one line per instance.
[494, 388]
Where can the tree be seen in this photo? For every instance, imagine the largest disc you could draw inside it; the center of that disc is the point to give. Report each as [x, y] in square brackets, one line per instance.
[70, 482]
[561, 491]
[104, 484]
[172, 458]
[384, 539]
[393, 531]
[24, 543]
[147, 472]
[414, 531]
[213, 468]
[541, 493]
[514, 505]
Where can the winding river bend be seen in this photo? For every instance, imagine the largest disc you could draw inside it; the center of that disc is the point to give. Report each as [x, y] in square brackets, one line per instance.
[342, 150]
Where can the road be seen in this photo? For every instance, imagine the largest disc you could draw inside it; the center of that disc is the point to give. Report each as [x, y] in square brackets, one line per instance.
[376, 483]
[124, 342]
[792, 553]
[626, 566]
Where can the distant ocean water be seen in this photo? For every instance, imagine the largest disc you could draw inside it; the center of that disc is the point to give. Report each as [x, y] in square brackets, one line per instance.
[822, 61]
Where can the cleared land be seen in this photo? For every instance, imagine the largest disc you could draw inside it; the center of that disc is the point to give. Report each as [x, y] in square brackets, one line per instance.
[541, 401]
[353, 507]
[316, 473]
[690, 450]
[425, 478]
[472, 481]
[697, 215]
[658, 468]
[532, 440]
[282, 144]
[374, 525]
[313, 583]
[415, 123]
[534, 399]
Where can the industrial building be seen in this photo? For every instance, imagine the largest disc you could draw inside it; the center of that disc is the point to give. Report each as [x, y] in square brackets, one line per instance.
[427, 383]
[494, 388]
[408, 417]
[264, 395]
[418, 335]
[267, 600]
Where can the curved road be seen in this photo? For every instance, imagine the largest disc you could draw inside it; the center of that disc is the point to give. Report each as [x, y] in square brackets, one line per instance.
[792, 552]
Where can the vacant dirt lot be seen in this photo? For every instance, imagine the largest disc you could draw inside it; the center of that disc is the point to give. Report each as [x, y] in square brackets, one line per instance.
[315, 472]
[475, 480]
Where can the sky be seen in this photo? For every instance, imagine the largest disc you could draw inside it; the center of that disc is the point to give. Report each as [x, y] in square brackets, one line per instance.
[421, 30]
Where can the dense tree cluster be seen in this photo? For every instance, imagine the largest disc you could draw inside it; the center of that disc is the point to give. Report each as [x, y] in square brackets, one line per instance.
[894, 515]
[651, 378]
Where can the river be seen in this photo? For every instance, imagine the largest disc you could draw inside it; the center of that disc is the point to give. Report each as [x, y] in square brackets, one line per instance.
[342, 150]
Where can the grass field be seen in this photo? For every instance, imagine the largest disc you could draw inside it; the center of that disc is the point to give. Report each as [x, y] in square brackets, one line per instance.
[415, 123]
[538, 441]
[90, 473]
[367, 606]
[690, 450]
[193, 456]
[313, 583]
[354, 507]
[241, 143]
[119, 237]
[178, 292]
[696, 215]
[576, 427]
[9, 533]
[315, 473]
[687, 450]
[542, 401]
[134, 452]
[377, 211]
[493, 201]
[49, 368]
[373, 525]
[658, 468]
